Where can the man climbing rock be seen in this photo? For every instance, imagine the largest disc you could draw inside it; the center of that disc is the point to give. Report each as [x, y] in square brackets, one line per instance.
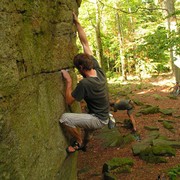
[92, 88]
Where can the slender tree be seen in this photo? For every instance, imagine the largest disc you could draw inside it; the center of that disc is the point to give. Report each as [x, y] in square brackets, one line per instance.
[172, 26]
[120, 38]
[98, 35]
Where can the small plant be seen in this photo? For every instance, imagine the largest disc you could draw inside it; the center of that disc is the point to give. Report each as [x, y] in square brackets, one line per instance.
[174, 173]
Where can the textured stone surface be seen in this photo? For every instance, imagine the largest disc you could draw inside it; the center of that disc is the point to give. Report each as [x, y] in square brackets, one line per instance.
[37, 40]
[117, 166]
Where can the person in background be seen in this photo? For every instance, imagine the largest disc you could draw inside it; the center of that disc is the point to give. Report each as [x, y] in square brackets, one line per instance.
[125, 105]
[92, 88]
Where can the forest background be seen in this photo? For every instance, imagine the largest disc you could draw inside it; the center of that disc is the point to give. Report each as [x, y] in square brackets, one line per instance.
[133, 37]
[134, 40]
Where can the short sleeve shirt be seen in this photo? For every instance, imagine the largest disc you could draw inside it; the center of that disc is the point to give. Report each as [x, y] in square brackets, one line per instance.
[94, 91]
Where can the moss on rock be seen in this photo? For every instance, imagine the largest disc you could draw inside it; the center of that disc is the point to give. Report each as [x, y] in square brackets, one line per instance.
[168, 111]
[113, 138]
[118, 165]
[151, 128]
[149, 110]
[163, 151]
[166, 142]
[40, 43]
[148, 156]
[167, 125]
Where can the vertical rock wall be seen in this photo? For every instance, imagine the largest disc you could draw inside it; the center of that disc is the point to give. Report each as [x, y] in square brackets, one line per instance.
[37, 39]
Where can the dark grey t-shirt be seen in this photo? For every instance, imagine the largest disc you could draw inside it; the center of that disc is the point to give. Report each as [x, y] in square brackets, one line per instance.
[94, 91]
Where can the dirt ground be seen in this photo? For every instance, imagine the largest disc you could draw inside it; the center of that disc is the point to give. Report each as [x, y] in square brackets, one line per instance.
[154, 91]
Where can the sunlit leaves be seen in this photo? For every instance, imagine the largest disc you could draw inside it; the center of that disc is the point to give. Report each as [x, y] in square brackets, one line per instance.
[142, 25]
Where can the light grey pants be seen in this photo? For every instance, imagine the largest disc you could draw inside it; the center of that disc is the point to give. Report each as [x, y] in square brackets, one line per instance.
[82, 120]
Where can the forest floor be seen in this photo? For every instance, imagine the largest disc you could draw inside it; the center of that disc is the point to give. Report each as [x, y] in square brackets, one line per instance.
[153, 91]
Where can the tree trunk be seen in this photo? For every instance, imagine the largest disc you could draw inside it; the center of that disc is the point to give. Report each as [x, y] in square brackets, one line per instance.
[121, 48]
[98, 37]
[172, 26]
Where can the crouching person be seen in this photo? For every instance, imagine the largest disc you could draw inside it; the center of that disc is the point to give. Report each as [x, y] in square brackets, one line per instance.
[92, 88]
[125, 105]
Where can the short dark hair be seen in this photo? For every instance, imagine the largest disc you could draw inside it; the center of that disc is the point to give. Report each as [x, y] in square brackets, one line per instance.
[83, 60]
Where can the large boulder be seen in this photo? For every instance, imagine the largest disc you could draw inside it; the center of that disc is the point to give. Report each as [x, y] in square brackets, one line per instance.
[37, 41]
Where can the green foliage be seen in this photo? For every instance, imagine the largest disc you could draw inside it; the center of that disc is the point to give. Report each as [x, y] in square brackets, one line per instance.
[174, 40]
[148, 14]
[156, 45]
[174, 172]
[145, 42]
[110, 74]
[154, 48]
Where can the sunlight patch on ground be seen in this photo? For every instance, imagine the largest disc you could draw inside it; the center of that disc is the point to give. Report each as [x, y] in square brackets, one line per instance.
[119, 80]
[167, 82]
[166, 90]
[144, 92]
[158, 81]
[162, 83]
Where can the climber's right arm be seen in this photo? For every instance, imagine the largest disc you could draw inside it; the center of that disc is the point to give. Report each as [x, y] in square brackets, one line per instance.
[82, 35]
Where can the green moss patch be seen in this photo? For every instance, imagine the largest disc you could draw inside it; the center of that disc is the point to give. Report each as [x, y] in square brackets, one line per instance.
[163, 151]
[168, 111]
[157, 97]
[162, 120]
[149, 110]
[118, 165]
[154, 148]
[167, 125]
[151, 128]
[148, 156]
[138, 102]
[141, 146]
[113, 138]
[164, 142]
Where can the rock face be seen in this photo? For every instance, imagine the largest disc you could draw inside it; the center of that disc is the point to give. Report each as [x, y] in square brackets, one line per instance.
[37, 40]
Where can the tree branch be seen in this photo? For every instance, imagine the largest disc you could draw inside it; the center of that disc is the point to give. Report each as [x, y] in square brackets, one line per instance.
[132, 12]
